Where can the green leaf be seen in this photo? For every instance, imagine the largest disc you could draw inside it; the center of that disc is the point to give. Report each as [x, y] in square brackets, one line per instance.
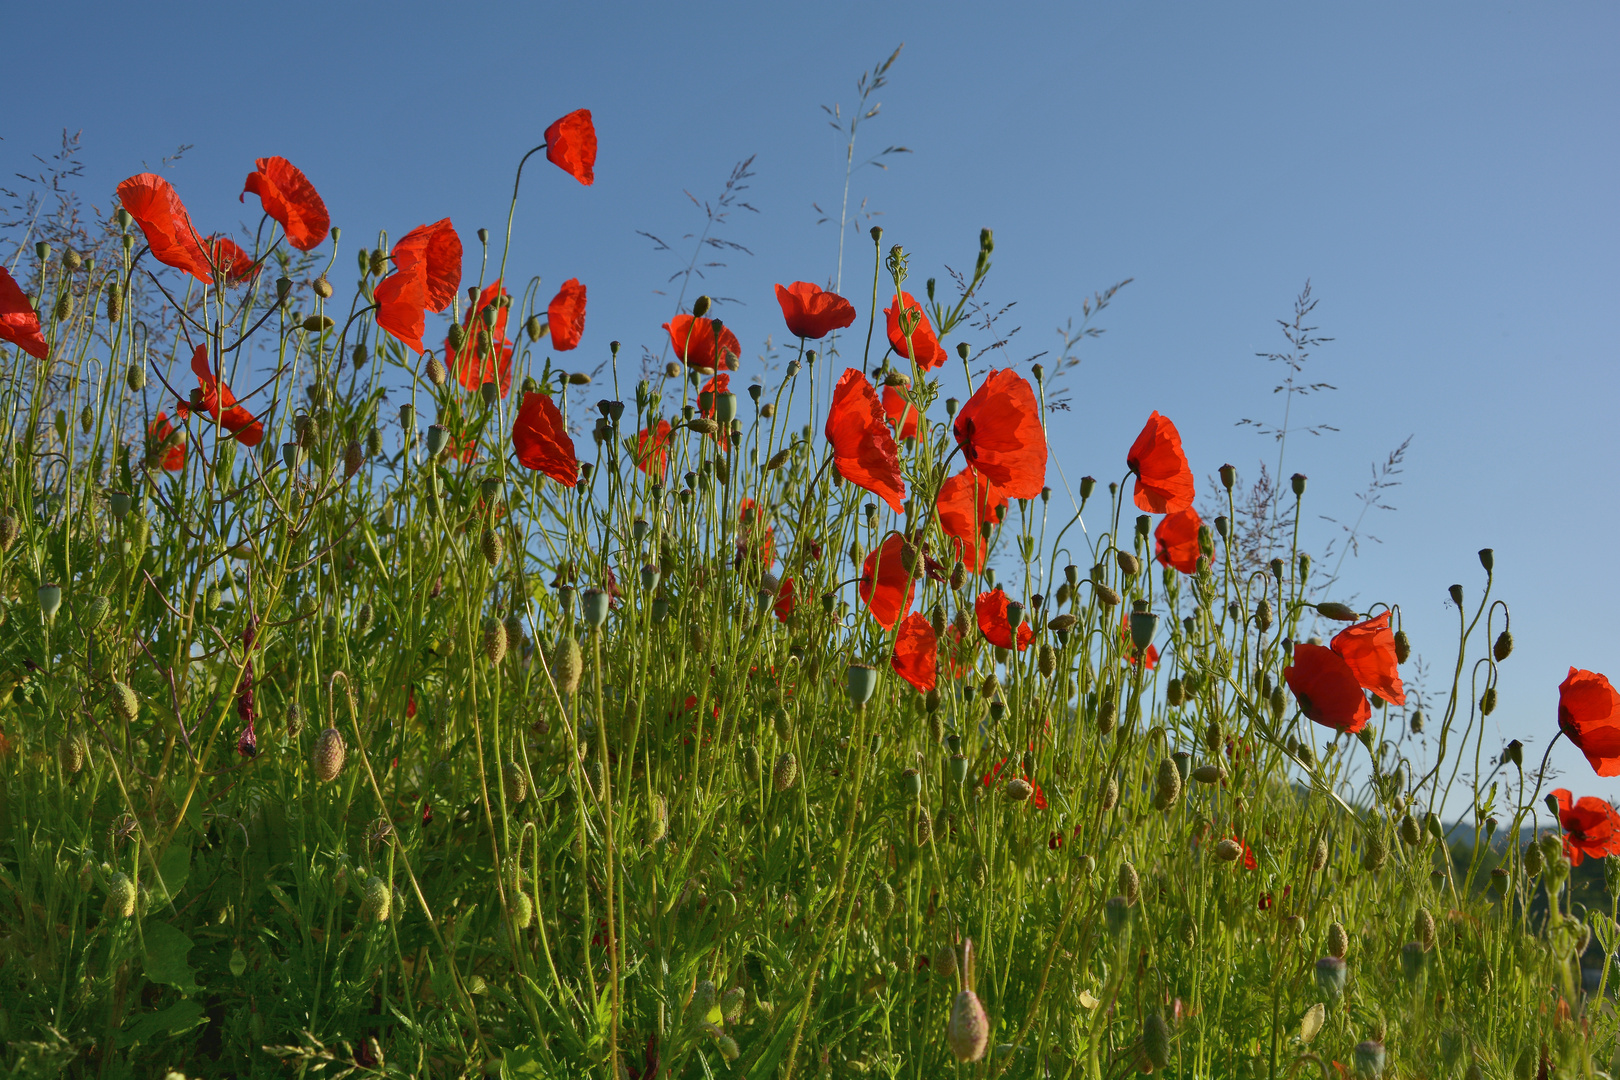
[166, 950]
[521, 1061]
[173, 870]
[180, 1017]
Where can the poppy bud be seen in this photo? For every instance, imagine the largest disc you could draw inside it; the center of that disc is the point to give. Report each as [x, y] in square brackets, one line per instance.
[328, 755]
[1304, 567]
[1228, 850]
[567, 663]
[1503, 647]
[1341, 612]
[513, 627]
[1128, 564]
[1319, 856]
[353, 458]
[784, 772]
[323, 288]
[121, 897]
[968, 1033]
[1209, 774]
[375, 905]
[1046, 661]
[1156, 1040]
[1110, 795]
[123, 700]
[1167, 784]
[316, 324]
[1144, 525]
[115, 302]
[1456, 592]
[1374, 854]
[494, 640]
[536, 327]
[1107, 711]
[1338, 942]
[373, 442]
[1487, 701]
[492, 546]
[378, 262]
[1411, 835]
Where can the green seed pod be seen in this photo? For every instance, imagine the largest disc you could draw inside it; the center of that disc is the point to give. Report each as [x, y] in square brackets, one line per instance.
[327, 757]
[567, 664]
[1423, 929]
[516, 783]
[956, 769]
[784, 772]
[1130, 883]
[125, 703]
[494, 640]
[1156, 1040]
[121, 897]
[522, 910]
[910, 784]
[376, 904]
[70, 752]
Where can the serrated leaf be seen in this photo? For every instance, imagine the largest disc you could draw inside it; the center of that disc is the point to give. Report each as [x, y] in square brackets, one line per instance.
[166, 950]
[180, 1017]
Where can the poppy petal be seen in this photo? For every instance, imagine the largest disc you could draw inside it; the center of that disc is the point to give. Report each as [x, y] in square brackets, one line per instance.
[566, 315]
[1326, 689]
[1164, 480]
[1589, 713]
[693, 340]
[157, 209]
[571, 145]
[922, 346]
[1369, 649]
[967, 501]
[863, 449]
[19, 322]
[885, 585]
[540, 437]
[916, 652]
[290, 199]
[999, 431]
[812, 312]
[1176, 540]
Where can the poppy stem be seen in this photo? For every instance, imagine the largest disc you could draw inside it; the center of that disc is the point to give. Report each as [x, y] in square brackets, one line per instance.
[512, 210]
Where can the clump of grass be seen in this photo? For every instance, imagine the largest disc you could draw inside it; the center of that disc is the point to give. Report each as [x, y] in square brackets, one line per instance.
[376, 748]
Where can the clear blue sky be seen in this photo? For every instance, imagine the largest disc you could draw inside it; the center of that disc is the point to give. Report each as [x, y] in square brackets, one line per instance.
[1445, 174]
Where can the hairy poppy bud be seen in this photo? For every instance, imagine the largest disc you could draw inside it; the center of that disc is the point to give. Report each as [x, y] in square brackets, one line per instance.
[751, 763]
[1487, 701]
[316, 324]
[362, 618]
[121, 897]
[125, 703]
[968, 1034]
[10, 527]
[1209, 774]
[536, 327]
[700, 306]
[1423, 929]
[1017, 790]
[1046, 662]
[567, 664]
[515, 782]
[435, 370]
[1130, 883]
[1174, 693]
[492, 546]
[1338, 942]
[784, 772]
[1129, 564]
[376, 904]
[1411, 835]
[1167, 785]
[70, 752]
[353, 458]
[1228, 850]
[1156, 1040]
[494, 640]
[1106, 596]
[1341, 612]
[1503, 647]
[328, 755]
[1110, 795]
[1403, 647]
[1374, 854]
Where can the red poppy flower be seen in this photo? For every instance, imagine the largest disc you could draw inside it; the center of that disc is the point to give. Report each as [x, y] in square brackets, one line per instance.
[427, 273]
[1249, 861]
[1129, 646]
[1591, 827]
[1327, 690]
[693, 340]
[541, 440]
[1039, 798]
[863, 449]
[464, 452]
[885, 586]
[991, 609]
[475, 365]
[19, 322]
[227, 257]
[966, 501]
[410, 703]
[903, 415]
[157, 209]
[652, 450]
[566, 315]
[924, 347]
[1176, 540]
[718, 383]
[1589, 713]
[754, 535]
[571, 146]
[1369, 649]
[999, 431]
[812, 312]
[1164, 480]
[784, 601]
[174, 459]
[916, 652]
[289, 198]
[221, 403]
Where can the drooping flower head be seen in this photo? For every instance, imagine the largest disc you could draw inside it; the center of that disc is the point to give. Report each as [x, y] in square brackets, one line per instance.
[221, 403]
[571, 145]
[916, 652]
[290, 199]
[1589, 713]
[19, 322]
[999, 431]
[540, 437]
[812, 312]
[693, 340]
[1326, 689]
[1164, 480]
[991, 610]
[863, 449]
[566, 315]
[922, 346]
[427, 273]
[1369, 649]
[1175, 541]
[1591, 826]
[476, 362]
[886, 587]
[967, 502]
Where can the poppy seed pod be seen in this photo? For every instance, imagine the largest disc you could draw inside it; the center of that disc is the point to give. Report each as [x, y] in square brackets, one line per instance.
[1412, 960]
[1369, 1057]
[1144, 625]
[860, 683]
[784, 772]
[1330, 977]
[377, 903]
[327, 757]
[50, 600]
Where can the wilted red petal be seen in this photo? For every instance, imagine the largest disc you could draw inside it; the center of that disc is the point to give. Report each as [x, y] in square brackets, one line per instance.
[903, 415]
[652, 450]
[916, 652]
[1589, 713]
[221, 403]
[473, 366]
[157, 209]
[693, 341]
[19, 322]
[863, 448]
[1326, 689]
[812, 312]
[966, 501]
[1164, 480]
[540, 437]
[991, 610]
[1369, 649]
[885, 587]
[566, 315]
[174, 459]
[571, 145]
[1175, 541]
[924, 347]
[999, 431]
[1591, 827]
[289, 198]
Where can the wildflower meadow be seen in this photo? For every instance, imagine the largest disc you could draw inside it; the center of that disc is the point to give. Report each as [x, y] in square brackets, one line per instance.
[387, 688]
